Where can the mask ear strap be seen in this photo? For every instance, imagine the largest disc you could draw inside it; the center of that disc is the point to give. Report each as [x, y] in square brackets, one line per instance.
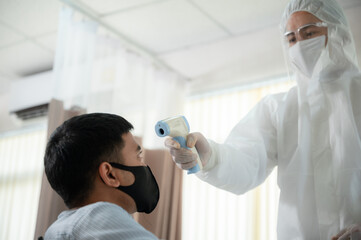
[124, 167]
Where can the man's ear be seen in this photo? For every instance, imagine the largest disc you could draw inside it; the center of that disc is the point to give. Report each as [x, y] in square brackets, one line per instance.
[106, 172]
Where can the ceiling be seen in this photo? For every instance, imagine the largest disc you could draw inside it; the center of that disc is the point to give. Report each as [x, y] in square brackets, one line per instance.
[193, 37]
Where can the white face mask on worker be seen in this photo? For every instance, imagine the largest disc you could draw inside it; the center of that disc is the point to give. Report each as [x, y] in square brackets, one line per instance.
[305, 54]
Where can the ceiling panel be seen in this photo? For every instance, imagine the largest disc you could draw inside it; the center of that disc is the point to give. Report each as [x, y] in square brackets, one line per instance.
[185, 37]
[48, 41]
[4, 84]
[166, 26]
[244, 15]
[207, 58]
[7, 36]
[24, 59]
[105, 7]
[32, 17]
[349, 3]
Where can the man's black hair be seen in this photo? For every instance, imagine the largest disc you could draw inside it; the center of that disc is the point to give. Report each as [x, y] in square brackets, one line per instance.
[77, 148]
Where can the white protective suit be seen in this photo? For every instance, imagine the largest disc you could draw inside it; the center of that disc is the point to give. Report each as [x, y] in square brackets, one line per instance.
[311, 133]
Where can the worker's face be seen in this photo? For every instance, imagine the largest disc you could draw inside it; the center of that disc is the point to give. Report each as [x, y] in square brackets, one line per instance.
[303, 25]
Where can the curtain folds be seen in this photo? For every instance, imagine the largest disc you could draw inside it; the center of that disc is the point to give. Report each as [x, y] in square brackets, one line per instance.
[20, 178]
[92, 70]
[210, 213]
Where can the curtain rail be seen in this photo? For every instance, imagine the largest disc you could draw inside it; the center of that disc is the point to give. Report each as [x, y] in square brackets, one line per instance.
[128, 43]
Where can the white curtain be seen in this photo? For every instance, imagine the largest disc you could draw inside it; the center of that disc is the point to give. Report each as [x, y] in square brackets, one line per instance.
[21, 154]
[94, 71]
[210, 213]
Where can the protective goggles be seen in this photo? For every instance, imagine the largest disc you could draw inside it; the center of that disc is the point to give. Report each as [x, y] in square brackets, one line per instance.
[304, 32]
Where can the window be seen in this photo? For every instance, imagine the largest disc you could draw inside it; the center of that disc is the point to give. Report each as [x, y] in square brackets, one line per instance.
[210, 213]
[21, 161]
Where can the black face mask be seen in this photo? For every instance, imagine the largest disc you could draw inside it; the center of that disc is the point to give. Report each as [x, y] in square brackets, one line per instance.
[144, 190]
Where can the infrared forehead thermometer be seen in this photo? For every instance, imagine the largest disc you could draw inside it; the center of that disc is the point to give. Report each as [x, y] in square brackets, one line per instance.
[178, 128]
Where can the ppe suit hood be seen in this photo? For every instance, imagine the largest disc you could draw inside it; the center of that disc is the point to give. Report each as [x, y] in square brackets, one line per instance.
[340, 53]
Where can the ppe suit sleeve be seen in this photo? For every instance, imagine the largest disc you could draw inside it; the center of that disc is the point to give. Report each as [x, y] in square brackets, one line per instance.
[249, 153]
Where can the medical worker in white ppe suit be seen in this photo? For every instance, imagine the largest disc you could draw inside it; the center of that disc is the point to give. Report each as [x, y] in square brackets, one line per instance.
[311, 133]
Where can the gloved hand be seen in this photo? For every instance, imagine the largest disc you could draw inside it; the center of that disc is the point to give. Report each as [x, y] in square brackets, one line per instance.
[184, 158]
[352, 232]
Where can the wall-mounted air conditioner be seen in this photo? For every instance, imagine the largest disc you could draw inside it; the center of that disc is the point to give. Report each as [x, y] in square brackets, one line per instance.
[30, 96]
